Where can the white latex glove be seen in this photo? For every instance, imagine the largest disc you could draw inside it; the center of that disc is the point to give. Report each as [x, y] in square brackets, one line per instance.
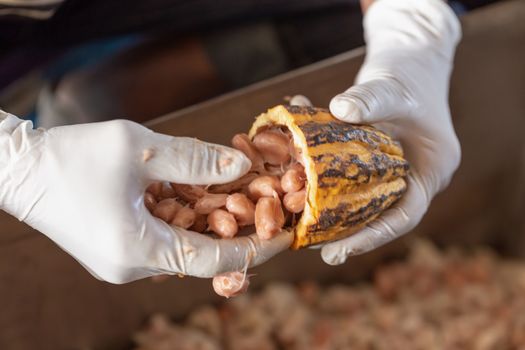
[402, 89]
[83, 187]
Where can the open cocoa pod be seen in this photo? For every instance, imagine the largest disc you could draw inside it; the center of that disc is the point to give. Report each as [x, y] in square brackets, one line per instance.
[353, 172]
[311, 173]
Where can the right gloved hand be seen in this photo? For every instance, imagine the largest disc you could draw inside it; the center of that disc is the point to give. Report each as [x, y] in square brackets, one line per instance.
[83, 187]
[402, 88]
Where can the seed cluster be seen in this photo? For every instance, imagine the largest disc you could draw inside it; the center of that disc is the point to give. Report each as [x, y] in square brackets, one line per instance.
[269, 196]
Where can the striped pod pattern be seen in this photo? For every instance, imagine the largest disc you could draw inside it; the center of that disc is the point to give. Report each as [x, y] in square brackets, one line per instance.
[354, 172]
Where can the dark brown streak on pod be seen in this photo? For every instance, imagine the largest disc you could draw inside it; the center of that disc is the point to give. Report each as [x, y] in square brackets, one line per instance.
[342, 216]
[338, 165]
[338, 131]
[305, 110]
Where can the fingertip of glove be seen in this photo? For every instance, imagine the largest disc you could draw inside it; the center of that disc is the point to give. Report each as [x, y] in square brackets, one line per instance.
[231, 162]
[243, 161]
[333, 255]
[280, 242]
[286, 238]
[346, 110]
[300, 100]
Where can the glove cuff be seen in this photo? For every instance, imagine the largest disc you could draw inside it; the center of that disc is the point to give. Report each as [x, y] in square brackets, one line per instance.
[19, 154]
[412, 24]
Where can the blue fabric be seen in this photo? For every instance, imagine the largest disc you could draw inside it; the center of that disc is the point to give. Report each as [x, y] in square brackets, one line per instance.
[88, 54]
[32, 116]
[457, 7]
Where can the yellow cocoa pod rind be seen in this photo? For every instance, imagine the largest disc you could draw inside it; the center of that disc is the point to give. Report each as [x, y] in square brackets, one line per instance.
[354, 172]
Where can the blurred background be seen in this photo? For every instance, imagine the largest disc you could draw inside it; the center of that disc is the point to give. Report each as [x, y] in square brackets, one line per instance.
[99, 60]
[205, 69]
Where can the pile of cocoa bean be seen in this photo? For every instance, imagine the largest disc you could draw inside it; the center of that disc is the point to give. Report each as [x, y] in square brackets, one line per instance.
[432, 299]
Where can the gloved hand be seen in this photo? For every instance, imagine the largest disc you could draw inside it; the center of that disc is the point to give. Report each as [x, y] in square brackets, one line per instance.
[83, 187]
[402, 88]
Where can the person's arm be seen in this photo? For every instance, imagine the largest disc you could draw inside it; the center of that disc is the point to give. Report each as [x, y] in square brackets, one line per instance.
[402, 88]
[83, 187]
[365, 4]
[35, 9]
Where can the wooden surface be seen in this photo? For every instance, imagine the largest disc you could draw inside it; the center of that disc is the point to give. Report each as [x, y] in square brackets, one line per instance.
[50, 302]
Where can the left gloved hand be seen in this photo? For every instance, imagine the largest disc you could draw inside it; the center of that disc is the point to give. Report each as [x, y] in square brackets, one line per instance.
[402, 89]
[83, 187]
